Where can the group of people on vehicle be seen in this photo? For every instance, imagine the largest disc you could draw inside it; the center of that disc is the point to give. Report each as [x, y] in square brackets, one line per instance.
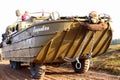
[15, 27]
[93, 18]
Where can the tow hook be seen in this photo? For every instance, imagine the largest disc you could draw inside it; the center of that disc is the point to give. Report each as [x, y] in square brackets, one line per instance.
[78, 64]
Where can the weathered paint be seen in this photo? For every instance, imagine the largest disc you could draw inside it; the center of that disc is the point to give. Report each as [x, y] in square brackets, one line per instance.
[51, 41]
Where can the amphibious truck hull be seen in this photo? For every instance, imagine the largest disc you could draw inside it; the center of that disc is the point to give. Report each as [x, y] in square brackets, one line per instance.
[52, 41]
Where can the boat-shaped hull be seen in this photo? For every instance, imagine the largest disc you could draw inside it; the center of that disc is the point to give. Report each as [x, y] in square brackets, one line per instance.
[54, 41]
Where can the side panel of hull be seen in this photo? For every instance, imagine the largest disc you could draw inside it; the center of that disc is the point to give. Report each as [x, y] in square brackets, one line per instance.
[27, 44]
[69, 43]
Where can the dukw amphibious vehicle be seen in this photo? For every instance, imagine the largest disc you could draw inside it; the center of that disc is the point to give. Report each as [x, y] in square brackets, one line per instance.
[42, 39]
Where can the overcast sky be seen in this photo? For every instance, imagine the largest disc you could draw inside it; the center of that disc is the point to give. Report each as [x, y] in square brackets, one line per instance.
[64, 7]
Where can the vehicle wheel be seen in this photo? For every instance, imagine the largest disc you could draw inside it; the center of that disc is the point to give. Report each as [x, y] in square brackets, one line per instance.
[83, 67]
[37, 71]
[15, 65]
[11, 64]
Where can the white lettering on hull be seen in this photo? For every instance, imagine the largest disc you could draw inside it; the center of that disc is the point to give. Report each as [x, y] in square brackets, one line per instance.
[42, 28]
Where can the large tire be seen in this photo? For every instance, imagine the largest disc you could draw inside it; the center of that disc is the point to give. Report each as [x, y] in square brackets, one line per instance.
[11, 64]
[84, 66]
[15, 65]
[37, 71]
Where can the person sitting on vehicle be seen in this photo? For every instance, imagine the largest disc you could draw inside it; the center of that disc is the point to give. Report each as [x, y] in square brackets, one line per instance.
[25, 16]
[9, 30]
[94, 18]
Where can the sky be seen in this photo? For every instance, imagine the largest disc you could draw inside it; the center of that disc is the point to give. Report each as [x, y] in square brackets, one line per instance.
[64, 7]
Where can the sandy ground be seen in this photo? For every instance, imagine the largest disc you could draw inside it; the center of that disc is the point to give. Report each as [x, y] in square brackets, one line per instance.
[52, 73]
